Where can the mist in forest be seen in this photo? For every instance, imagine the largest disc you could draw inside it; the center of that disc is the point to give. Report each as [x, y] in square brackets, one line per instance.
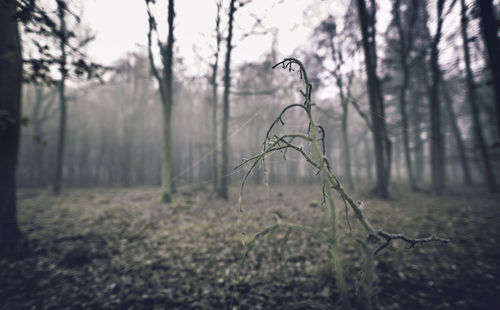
[114, 133]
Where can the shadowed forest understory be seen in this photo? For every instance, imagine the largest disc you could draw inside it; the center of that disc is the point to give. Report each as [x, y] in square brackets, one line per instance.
[117, 248]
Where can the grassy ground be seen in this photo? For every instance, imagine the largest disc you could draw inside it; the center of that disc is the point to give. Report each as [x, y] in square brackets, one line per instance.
[120, 248]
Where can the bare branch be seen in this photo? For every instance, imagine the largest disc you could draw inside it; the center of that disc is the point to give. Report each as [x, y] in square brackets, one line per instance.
[411, 241]
[152, 28]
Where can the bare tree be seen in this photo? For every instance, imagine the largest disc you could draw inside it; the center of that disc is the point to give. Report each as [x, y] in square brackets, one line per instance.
[471, 96]
[222, 193]
[381, 141]
[437, 141]
[10, 119]
[458, 135]
[61, 50]
[335, 43]
[165, 85]
[215, 99]
[63, 38]
[489, 30]
[405, 33]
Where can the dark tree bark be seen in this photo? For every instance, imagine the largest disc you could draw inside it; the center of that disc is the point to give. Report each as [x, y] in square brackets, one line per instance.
[489, 30]
[478, 132]
[62, 36]
[225, 118]
[437, 141]
[406, 45]
[380, 139]
[167, 56]
[215, 99]
[10, 114]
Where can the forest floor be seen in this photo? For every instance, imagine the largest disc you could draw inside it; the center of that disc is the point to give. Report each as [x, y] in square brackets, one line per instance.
[122, 249]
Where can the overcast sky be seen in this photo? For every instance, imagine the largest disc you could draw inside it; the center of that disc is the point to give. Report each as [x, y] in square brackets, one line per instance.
[121, 26]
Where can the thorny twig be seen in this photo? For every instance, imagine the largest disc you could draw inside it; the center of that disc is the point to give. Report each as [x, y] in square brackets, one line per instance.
[280, 143]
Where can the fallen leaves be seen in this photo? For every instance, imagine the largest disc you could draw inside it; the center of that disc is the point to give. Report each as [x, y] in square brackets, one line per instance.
[122, 249]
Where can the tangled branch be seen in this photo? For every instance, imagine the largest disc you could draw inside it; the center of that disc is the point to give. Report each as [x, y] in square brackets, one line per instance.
[285, 142]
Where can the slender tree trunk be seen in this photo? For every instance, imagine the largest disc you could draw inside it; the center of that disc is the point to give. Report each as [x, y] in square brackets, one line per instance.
[190, 156]
[166, 91]
[58, 175]
[167, 183]
[346, 154]
[166, 168]
[213, 81]
[356, 160]
[345, 134]
[478, 132]
[380, 139]
[417, 140]
[437, 141]
[214, 152]
[85, 161]
[397, 158]
[368, 160]
[125, 157]
[225, 119]
[489, 30]
[406, 43]
[345, 139]
[255, 132]
[458, 137]
[165, 82]
[10, 114]
[404, 121]
[39, 136]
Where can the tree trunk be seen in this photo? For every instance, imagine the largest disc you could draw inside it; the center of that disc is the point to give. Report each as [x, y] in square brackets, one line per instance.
[458, 137]
[489, 27]
[39, 137]
[478, 132]
[166, 167]
[225, 119]
[437, 141]
[214, 152]
[406, 43]
[127, 150]
[165, 85]
[406, 140]
[368, 159]
[167, 182]
[213, 82]
[397, 158]
[10, 114]
[380, 139]
[418, 144]
[62, 103]
[347, 151]
[346, 154]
